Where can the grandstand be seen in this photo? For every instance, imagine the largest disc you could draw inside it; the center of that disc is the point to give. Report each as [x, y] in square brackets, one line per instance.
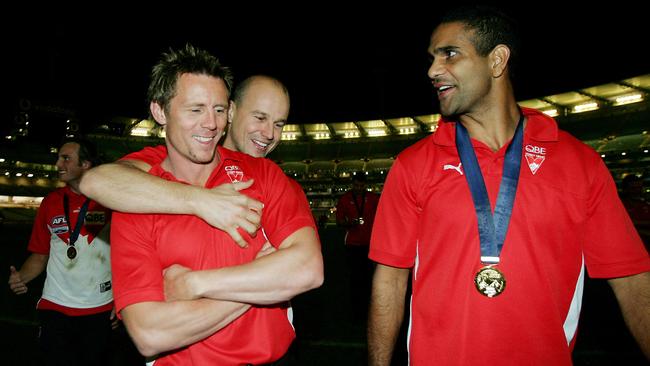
[613, 118]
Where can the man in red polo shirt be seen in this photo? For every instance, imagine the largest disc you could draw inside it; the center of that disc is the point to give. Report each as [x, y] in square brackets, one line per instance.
[355, 211]
[216, 303]
[632, 196]
[497, 285]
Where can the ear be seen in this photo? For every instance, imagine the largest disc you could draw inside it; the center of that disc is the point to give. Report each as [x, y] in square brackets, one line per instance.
[158, 113]
[231, 110]
[499, 60]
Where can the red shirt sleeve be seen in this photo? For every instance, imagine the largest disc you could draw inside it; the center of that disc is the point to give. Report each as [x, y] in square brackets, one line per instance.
[150, 155]
[39, 242]
[613, 247]
[286, 208]
[394, 234]
[136, 269]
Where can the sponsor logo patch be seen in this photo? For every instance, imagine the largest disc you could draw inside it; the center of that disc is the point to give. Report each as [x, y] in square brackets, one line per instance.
[58, 220]
[453, 167]
[95, 218]
[106, 286]
[535, 156]
[58, 225]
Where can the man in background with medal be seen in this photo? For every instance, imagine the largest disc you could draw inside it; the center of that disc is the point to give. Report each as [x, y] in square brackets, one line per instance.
[70, 240]
[355, 212]
[497, 216]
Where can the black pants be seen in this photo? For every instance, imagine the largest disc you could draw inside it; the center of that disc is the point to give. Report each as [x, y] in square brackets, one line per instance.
[75, 340]
[360, 270]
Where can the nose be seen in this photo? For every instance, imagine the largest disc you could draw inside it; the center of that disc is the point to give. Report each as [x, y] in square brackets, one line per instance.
[211, 121]
[268, 131]
[435, 70]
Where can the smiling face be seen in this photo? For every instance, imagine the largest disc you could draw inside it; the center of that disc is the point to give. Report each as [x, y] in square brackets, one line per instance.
[257, 118]
[68, 166]
[461, 77]
[195, 118]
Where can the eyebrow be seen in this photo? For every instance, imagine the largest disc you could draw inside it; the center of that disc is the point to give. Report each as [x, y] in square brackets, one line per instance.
[257, 111]
[443, 49]
[202, 104]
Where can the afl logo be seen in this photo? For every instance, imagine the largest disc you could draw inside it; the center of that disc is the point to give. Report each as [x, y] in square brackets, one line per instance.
[234, 173]
[58, 220]
[58, 225]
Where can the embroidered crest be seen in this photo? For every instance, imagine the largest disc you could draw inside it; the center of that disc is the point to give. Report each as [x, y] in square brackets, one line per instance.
[535, 156]
[235, 173]
[534, 161]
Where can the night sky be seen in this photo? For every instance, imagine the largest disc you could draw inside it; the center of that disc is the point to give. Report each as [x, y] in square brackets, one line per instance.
[339, 64]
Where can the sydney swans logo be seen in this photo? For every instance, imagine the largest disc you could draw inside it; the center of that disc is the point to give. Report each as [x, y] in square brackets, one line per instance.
[535, 156]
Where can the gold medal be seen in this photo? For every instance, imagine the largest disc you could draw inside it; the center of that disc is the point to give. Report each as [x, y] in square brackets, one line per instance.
[360, 220]
[490, 281]
[72, 252]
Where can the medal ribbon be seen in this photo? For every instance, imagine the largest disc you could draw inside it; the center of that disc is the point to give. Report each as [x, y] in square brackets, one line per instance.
[80, 219]
[492, 228]
[356, 204]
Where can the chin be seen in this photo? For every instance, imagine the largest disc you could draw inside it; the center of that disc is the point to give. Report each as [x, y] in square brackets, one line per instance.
[270, 149]
[255, 152]
[202, 159]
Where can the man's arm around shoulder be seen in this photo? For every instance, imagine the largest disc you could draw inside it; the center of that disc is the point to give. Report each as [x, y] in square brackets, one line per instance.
[126, 186]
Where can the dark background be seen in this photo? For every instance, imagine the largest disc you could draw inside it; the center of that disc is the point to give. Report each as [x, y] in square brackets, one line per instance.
[341, 61]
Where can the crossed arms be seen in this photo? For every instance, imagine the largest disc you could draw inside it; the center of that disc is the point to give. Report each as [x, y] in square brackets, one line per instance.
[199, 303]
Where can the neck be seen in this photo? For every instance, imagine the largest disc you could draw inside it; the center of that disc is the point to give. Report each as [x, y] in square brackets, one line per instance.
[494, 126]
[190, 172]
[228, 143]
[74, 186]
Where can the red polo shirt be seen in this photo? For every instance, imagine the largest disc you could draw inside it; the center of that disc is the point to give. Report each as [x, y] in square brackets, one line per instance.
[82, 285]
[566, 215]
[144, 245]
[346, 207]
